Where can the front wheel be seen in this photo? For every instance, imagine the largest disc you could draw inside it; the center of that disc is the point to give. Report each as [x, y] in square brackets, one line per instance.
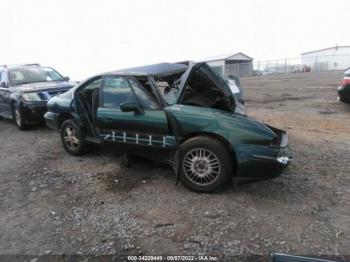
[72, 138]
[18, 117]
[205, 164]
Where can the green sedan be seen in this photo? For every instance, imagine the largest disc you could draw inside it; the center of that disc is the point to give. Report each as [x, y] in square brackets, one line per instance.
[185, 115]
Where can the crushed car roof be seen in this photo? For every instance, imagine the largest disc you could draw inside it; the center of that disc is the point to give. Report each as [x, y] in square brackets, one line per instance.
[161, 69]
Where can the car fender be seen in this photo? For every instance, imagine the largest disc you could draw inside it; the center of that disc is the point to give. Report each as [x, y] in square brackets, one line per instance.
[15, 99]
[78, 120]
[239, 133]
[71, 115]
[15, 96]
[18, 104]
[234, 128]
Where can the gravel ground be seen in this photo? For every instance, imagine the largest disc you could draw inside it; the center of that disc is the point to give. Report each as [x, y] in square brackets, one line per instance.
[53, 203]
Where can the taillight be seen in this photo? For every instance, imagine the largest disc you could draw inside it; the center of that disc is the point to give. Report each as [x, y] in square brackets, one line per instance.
[345, 81]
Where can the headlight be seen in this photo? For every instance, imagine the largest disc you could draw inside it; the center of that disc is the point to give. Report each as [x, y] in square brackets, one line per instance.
[283, 158]
[31, 97]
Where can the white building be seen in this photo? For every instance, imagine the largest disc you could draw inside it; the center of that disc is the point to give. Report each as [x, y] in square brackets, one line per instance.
[237, 64]
[332, 58]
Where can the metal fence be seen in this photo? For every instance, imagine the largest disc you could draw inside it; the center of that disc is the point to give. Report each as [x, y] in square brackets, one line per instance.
[305, 63]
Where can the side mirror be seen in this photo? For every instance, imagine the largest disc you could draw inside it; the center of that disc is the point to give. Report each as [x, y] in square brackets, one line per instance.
[131, 107]
[66, 78]
[3, 84]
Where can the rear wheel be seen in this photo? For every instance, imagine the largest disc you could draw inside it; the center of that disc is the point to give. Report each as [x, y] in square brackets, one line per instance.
[205, 164]
[72, 138]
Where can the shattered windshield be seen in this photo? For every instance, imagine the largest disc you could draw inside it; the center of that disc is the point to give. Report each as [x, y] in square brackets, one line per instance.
[169, 90]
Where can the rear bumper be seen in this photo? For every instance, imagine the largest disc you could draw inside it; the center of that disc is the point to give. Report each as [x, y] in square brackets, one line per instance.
[51, 120]
[33, 112]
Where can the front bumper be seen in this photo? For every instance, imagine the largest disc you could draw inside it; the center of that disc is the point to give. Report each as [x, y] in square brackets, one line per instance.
[344, 94]
[261, 162]
[51, 120]
[33, 112]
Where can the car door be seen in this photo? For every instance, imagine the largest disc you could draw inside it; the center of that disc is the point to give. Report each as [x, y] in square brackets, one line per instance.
[5, 103]
[143, 130]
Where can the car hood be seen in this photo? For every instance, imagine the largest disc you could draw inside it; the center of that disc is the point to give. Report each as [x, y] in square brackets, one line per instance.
[219, 82]
[44, 86]
[194, 119]
[260, 129]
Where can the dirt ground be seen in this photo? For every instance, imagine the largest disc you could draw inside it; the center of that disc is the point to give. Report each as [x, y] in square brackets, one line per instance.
[54, 203]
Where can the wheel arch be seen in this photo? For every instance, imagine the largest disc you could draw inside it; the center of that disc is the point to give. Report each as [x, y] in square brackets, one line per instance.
[69, 115]
[220, 138]
[15, 103]
[63, 117]
[15, 99]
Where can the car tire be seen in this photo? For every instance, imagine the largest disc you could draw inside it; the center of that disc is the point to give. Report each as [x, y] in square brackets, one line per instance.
[72, 138]
[205, 164]
[18, 117]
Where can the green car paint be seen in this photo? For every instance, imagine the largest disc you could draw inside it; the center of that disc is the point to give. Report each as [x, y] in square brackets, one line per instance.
[258, 151]
[250, 141]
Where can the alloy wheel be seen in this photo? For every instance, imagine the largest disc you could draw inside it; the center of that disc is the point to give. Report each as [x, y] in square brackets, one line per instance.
[201, 166]
[18, 117]
[70, 137]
